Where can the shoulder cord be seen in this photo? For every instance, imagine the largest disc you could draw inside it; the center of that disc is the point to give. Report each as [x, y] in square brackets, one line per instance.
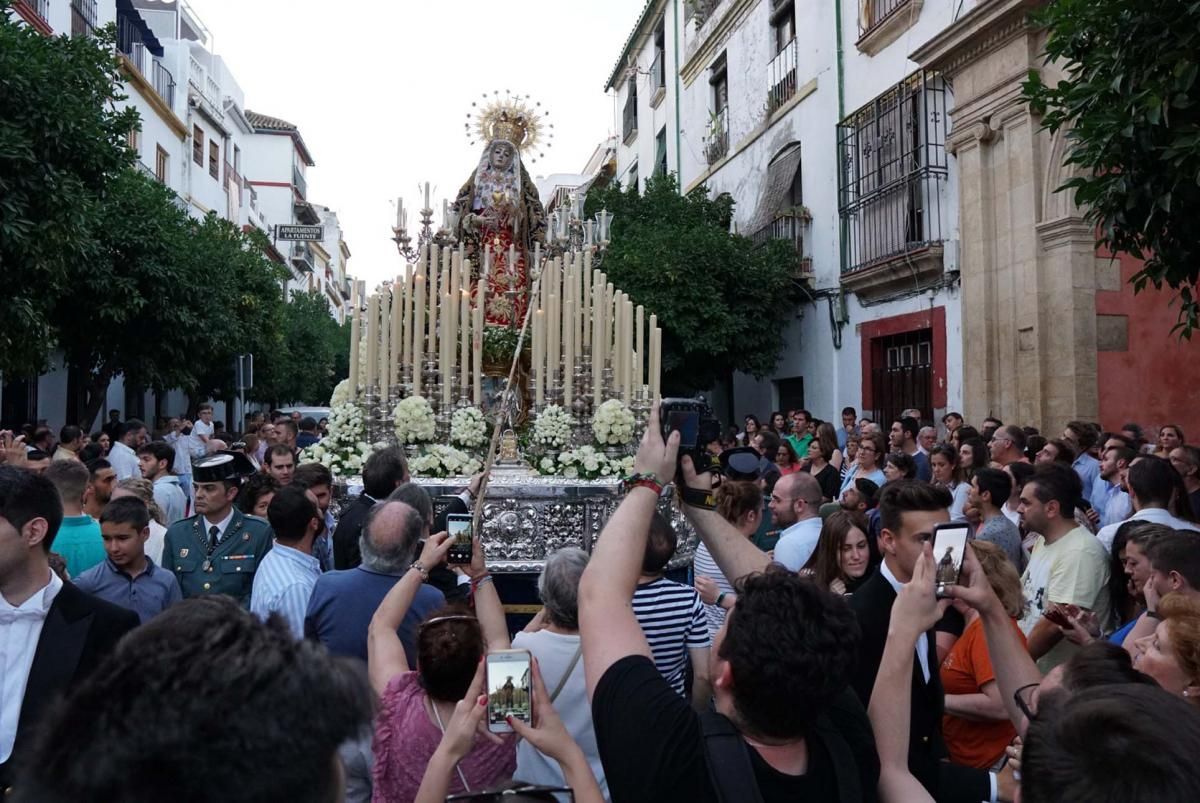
[442, 728]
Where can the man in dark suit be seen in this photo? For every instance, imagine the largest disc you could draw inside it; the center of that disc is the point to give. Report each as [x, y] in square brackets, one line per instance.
[51, 633]
[908, 512]
[384, 470]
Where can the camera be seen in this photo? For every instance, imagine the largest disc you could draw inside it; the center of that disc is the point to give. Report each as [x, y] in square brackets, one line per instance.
[693, 420]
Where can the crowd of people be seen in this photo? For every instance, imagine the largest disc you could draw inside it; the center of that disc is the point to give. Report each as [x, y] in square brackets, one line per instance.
[196, 605]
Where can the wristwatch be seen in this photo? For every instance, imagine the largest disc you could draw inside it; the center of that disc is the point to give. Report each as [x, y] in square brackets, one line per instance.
[720, 599]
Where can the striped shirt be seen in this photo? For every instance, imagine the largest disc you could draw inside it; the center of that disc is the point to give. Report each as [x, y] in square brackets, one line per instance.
[703, 565]
[673, 620]
[283, 583]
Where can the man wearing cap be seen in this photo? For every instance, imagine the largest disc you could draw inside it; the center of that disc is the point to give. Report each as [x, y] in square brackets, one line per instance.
[217, 551]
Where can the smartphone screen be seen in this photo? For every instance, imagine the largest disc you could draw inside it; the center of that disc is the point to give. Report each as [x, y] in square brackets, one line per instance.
[509, 689]
[949, 546]
[688, 426]
[458, 526]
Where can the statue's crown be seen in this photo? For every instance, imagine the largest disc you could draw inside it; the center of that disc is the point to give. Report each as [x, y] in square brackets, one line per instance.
[511, 118]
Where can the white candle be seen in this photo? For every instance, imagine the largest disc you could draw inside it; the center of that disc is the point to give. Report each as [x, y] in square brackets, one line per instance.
[418, 350]
[539, 365]
[399, 213]
[406, 324]
[628, 317]
[372, 339]
[385, 344]
[464, 313]
[477, 342]
[568, 354]
[655, 357]
[447, 354]
[427, 206]
[355, 338]
[639, 350]
[597, 347]
[434, 293]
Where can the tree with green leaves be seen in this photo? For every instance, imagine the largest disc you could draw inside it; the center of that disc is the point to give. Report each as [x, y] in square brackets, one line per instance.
[1129, 105]
[304, 366]
[722, 303]
[62, 141]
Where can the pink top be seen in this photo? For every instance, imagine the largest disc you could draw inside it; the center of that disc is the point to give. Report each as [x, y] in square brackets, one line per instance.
[405, 739]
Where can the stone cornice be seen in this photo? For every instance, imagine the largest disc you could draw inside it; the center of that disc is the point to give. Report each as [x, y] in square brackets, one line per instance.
[988, 26]
[715, 39]
[1067, 231]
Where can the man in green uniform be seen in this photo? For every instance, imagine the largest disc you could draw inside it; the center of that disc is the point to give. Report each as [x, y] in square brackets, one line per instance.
[217, 551]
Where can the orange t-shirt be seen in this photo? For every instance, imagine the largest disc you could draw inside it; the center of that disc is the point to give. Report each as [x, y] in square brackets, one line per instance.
[967, 668]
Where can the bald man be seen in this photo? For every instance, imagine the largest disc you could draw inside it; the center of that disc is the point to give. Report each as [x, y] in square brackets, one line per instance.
[795, 503]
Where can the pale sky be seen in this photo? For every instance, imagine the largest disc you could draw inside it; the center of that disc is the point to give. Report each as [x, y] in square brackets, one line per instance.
[380, 91]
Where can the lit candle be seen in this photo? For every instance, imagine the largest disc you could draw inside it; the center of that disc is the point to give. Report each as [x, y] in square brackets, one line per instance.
[385, 344]
[539, 365]
[639, 350]
[434, 293]
[372, 339]
[569, 354]
[355, 337]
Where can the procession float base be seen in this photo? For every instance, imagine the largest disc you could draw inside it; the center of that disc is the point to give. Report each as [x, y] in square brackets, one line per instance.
[527, 516]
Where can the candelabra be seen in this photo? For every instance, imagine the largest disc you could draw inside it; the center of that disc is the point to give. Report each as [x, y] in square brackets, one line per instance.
[388, 433]
[641, 410]
[566, 230]
[404, 242]
[377, 414]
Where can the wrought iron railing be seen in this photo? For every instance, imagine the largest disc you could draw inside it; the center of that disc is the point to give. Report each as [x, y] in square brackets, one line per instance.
[302, 256]
[163, 82]
[129, 42]
[873, 13]
[299, 182]
[788, 227]
[658, 73]
[84, 15]
[781, 76]
[629, 124]
[41, 8]
[717, 144]
[892, 172]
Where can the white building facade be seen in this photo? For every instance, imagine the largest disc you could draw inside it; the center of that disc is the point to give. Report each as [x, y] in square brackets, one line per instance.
[197, 138]
[814, 118]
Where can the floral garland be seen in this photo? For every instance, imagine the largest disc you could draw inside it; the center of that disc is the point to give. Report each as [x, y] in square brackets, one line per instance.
[444, 461]
[414, 421]
[468, 428]
[552, 428]
[344, 449]
[613, 424]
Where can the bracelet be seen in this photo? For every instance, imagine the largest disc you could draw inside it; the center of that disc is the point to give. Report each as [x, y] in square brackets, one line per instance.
[416, 564]
[1154, 615]
[643, 480]
[477, 582]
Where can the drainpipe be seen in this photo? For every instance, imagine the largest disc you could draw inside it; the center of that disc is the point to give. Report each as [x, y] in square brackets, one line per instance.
[841, 75]
[678, 139]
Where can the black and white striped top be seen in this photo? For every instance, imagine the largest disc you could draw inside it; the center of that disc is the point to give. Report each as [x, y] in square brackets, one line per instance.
[673, 619]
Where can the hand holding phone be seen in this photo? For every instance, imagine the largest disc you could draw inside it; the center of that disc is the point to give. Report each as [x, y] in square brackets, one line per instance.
[949, 548]
[509, 689]
[458, 525]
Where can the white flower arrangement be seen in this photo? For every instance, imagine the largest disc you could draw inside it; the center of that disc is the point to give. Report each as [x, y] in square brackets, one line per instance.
[414, 421]
[552, 428]
[613, 424]
[344, 449]
[586, 463]
[341, 394]
[547, 466]
[468, 428]
[444, 461]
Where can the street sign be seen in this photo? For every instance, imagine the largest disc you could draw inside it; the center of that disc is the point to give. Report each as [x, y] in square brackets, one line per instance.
[243, 371]
[292, 232]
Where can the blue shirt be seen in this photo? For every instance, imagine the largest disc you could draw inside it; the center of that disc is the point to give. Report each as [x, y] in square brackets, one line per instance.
[283, 583]
[343, 603]
[924, 470]
[1088, 469]
[79, 542]
[148, 594]
[1118, 638]
[875, 476]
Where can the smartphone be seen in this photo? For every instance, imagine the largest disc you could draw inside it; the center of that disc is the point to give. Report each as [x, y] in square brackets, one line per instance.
[458, 526]
[949, 546]
[509, 689]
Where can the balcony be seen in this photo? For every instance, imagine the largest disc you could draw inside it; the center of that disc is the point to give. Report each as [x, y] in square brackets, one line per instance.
[83, 17]
[629, 125]
[345, 289]
[130, 42]
[881, 22]
[301, 257]
[658, 78]
[781, 76]
[163, 83]
[716, 144]
[299, 184]
[39, 8]
[788, 227]
[206, 89]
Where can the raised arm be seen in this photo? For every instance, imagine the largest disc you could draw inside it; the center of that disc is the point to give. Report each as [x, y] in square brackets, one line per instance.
[488, 608]
[1010, 660]
[385, 652]
[916, 610]
[607, 627]
[732, 551]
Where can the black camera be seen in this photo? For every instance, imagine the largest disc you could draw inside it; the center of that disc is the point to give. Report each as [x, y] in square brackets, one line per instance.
[693, 420]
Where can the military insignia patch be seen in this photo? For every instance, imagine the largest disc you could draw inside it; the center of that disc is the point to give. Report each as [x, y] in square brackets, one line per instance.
[183, 552]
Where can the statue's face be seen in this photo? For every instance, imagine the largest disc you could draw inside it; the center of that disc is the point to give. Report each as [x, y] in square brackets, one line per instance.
[501, 156]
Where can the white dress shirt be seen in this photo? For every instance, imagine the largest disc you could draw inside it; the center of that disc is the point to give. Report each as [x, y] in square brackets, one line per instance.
[923, 639]
[797, 543]
[220, 525]
[20, 629]
[124, 462]
[1155, 515]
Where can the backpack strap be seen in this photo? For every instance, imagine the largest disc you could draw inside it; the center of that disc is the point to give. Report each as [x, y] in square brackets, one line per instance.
[845, 767]
[728, 761]
[566, 675]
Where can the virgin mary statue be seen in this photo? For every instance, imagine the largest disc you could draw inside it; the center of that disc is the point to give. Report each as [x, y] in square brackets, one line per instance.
[498, 209]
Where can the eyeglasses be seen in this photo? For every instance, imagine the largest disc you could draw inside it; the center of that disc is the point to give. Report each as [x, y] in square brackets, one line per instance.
[1026, 699]
[462, 617]
[499, 796]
